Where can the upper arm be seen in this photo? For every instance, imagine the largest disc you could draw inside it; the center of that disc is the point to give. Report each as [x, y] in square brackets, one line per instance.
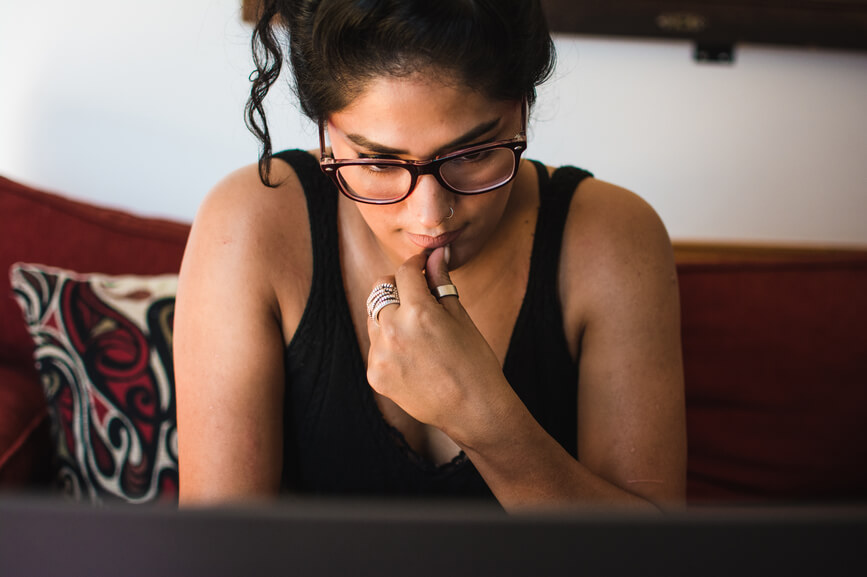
[228, 349]
[624, 302]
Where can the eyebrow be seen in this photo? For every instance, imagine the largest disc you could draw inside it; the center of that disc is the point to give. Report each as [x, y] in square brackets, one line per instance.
[465, 138]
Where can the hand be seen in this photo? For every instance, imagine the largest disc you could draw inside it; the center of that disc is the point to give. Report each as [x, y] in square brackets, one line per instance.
[427, 356]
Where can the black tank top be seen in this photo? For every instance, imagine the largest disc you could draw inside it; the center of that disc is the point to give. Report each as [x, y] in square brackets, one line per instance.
[336, 441]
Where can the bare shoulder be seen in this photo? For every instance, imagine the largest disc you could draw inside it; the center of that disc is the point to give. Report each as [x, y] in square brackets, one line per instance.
[614, 240]
[617, 264]
[256, 235]
[240, 210]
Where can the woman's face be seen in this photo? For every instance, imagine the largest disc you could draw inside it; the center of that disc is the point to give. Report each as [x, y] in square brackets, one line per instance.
[415, 118]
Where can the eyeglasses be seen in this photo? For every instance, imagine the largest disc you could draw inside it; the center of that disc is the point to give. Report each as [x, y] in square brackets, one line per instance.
[472, 170]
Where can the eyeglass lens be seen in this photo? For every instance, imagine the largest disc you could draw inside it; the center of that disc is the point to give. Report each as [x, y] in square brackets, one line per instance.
[468, 174]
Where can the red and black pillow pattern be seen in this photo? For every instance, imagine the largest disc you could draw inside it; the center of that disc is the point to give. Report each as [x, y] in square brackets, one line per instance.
[103, 351]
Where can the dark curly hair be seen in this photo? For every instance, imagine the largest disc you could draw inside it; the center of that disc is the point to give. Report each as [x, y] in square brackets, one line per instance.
[500, 47]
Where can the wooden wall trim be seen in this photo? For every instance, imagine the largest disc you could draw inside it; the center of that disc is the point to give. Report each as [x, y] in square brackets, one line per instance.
[699, 252]
[250, 10]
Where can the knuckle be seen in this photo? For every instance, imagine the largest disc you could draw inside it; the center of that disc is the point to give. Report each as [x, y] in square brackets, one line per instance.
[386, 330]
[424, 317]
[376, 378]
[383, 280]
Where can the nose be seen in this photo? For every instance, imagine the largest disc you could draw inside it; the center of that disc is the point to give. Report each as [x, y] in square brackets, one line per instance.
[430, 203]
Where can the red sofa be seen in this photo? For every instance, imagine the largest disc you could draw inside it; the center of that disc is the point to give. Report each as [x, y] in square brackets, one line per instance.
[775, 355]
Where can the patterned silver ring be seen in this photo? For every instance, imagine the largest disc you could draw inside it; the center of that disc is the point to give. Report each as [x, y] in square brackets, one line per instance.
[382, 295]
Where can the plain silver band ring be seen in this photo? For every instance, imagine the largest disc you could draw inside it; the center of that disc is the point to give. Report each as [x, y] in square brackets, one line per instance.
[445, 290]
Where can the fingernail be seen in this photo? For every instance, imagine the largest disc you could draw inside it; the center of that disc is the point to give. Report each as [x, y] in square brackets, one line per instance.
[447, 253]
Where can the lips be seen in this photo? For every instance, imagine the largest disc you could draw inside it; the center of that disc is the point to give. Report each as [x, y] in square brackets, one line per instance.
[432, 242]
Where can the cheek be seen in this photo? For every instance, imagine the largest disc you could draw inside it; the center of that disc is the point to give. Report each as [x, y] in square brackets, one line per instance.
[484, 210]
[379, 218]
[483, 214]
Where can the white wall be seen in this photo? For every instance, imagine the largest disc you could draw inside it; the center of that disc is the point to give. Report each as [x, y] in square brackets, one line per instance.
[139, 105]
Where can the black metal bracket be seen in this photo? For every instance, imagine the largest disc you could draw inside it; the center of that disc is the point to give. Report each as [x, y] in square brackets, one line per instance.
[716, 53]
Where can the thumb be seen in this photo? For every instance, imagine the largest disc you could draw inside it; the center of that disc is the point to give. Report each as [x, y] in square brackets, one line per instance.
[437, 269]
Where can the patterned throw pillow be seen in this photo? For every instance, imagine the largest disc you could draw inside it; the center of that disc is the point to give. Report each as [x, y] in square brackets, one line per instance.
[103, 350]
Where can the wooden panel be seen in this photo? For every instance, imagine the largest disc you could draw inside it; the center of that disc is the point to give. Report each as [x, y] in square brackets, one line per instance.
[830, 23]
[692, 252]
[250, 10]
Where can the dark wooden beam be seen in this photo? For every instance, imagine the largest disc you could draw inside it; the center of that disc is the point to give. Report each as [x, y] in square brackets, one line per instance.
[821, 23]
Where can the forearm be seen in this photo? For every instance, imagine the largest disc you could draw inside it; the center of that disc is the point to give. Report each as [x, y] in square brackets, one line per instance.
[527, 468]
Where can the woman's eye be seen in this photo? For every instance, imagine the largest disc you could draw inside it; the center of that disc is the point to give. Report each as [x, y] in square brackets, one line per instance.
[378, 168]
[376, 157]
[474, 156]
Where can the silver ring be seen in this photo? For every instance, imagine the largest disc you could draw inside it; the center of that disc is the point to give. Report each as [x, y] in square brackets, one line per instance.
[381, 289]
[382, 295]
[451, 213]
[445, 290]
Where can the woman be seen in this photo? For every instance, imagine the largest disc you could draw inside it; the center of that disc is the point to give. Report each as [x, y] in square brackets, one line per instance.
[415, 309]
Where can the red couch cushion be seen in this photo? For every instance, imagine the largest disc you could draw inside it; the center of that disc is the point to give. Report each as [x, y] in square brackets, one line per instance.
[40, 227]
[775, 361]
[23, 411]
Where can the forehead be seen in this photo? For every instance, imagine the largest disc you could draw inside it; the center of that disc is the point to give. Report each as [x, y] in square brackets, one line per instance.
[417, 113]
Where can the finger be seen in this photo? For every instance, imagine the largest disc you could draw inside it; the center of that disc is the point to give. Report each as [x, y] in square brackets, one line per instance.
[381, 315]
[436, 268]
[437, 274]
[410, 280]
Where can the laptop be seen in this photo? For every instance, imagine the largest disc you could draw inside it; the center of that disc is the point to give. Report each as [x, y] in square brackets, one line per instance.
[418, 538]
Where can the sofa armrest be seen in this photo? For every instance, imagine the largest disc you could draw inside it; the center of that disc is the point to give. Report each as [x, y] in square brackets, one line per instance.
[775, 365]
